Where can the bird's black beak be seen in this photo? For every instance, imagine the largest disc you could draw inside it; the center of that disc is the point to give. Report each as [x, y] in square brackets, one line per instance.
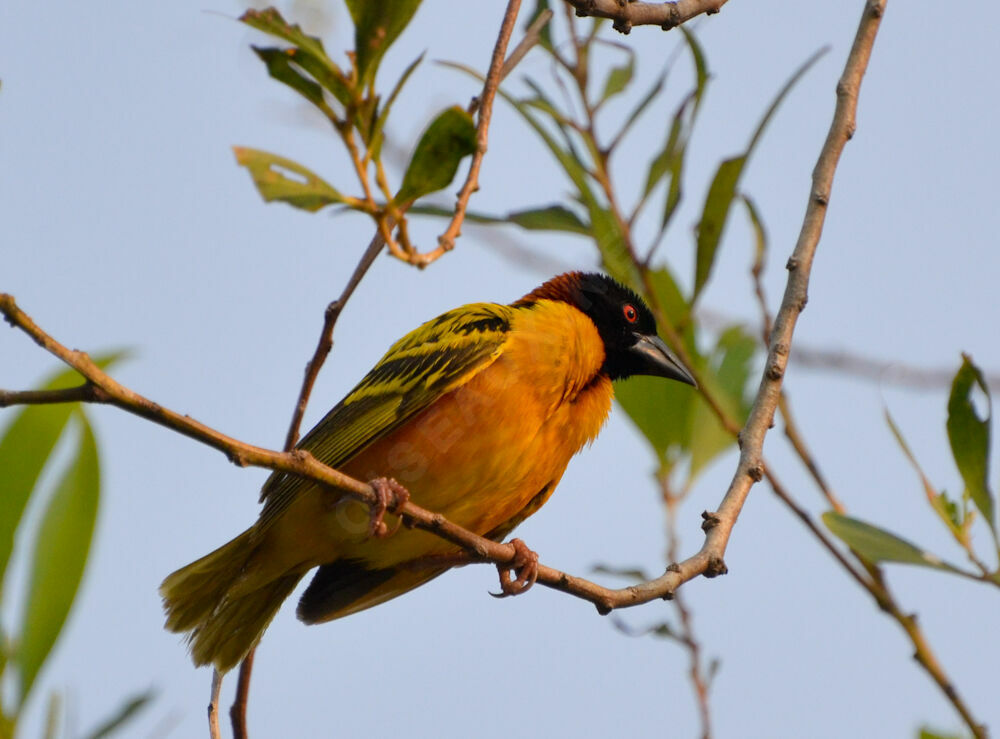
[650, 356]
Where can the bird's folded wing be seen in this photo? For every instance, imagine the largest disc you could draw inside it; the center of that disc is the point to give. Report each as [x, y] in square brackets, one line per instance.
[436, 358]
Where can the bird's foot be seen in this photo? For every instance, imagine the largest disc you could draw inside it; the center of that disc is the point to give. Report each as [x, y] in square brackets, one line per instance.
[525, 569]
[390, 496]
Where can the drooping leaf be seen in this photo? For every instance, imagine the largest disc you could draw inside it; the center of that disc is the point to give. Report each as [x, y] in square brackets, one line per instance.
[377, 24]
[969, 436]
[726, 379]
[946, 509]
[270, 173]
[279, 66]
[618, 78]
[25, 447]
[307, 52]
[662, 411]
[721, 192]
[61, 545]
[878, 545]
[447, 140]
[759, 233]
[612, 244]
[123, 715]
[545, 35]
[547, 218]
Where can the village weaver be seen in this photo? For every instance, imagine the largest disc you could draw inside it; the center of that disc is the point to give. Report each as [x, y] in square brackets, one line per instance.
[475, 414]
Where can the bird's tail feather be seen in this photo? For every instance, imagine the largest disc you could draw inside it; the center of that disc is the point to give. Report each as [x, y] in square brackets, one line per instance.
[224, 614]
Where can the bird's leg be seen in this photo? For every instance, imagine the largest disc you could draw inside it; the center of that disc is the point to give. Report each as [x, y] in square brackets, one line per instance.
[386, 490]
[525, 568]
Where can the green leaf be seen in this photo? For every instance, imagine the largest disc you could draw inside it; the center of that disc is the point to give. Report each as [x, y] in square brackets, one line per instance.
[662, 411]
[25, 447]
[618, 78]
[378, 132]
[279, 66]
[545, 35]
[760, 234]
[927, 733]
[61, 545]
[945, 508]
[308, 191]
[726, 379]
[308, 52]
[547, 218]
[377, 24]
[970, 437]
[123, 715]
[721, 192]
[447, 140]
[615, 256]
[878, 545]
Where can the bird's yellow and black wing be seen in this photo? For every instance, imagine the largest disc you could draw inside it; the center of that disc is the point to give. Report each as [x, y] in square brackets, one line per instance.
[436, 358]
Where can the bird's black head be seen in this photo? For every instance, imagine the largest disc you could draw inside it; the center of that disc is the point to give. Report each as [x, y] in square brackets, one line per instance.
[624, 322]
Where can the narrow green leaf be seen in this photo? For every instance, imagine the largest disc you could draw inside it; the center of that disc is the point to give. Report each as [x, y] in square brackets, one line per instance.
[928, 733]
[307, 191]
[721, 192]
[447, 140]
[970, 437]
[662, 411]
[378, 132]
[726, 378]
[759, 233]
[701, 74]
[618, 78]
[61, 545]
[545, 35]
[279, 66]
[25, 447]
[946, 509]
[548, 218]
[878, 545]
[377, 24]
[713, 218]
[308, 53]
[615, 256]
[128, 710]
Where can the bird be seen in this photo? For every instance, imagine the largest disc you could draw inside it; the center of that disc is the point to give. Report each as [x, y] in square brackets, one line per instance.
[474, 415]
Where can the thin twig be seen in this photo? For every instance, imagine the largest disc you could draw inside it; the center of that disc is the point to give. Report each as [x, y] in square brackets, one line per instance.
[238, 711]
[446, 241]
[84, 393]
[627, 14]
[325, 344]
[213, 706]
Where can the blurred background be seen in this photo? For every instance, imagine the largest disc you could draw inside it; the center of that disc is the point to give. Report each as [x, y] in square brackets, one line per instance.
[125, 222]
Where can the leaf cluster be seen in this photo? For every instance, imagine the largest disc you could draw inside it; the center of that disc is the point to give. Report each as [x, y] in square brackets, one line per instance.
[347, 97]
[56, 548]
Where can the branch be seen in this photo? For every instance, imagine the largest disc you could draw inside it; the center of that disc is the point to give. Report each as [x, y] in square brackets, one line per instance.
[302, 464]
[484, 104]
[626, 13]
[325, 344]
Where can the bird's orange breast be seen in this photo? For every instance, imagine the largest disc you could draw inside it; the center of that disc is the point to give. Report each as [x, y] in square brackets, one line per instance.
[482, 455]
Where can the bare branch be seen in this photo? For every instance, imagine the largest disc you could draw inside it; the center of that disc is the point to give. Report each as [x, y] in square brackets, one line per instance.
[484, 104]
[325, 344]
[626, 13]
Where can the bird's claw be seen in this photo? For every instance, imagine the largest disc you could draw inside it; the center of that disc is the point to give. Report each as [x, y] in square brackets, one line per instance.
[525, 569]
[386, 490]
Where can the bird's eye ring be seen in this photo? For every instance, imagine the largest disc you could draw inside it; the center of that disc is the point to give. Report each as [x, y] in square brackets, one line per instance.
[631, 314]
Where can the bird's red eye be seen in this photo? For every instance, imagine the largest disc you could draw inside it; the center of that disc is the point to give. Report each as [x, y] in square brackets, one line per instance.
[631, 314]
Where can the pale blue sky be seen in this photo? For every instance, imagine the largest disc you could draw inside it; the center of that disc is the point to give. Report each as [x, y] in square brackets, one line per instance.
[124, 221]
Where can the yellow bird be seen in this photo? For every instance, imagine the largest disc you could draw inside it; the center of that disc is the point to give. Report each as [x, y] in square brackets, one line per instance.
[476, 413]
